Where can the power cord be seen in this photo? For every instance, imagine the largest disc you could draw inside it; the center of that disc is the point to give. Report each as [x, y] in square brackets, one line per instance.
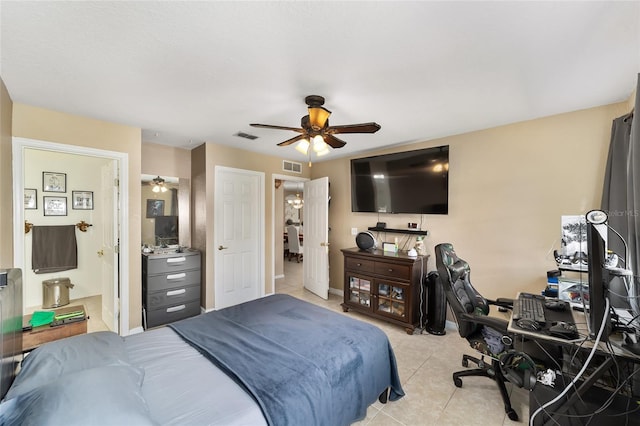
[580, 373]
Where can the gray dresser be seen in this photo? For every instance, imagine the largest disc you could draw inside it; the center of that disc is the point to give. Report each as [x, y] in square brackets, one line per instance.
[170, 287]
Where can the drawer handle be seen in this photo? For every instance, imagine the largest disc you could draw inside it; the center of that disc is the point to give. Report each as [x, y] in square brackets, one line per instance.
[358, 264]
[176, 259]
[390, 270]
[176, 308]
[176, 292]
[176, 276]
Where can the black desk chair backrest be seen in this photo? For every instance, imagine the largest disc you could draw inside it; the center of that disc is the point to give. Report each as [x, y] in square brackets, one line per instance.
[461, 295]
[487, 335]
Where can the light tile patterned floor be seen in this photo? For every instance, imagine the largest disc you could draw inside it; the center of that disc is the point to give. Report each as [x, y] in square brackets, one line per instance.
[425, 364]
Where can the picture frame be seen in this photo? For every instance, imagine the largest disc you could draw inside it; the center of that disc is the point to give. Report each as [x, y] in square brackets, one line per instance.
[30, 199]
[155, 208]
[55, 206]
[54, 182]
[82, 200]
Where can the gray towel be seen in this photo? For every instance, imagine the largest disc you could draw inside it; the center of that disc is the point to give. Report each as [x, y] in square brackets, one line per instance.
[54, 249]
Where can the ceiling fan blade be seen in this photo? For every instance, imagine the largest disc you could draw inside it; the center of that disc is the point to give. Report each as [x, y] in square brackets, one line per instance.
[292, 140]
[334, 142]
[269, 126]
[355, 128]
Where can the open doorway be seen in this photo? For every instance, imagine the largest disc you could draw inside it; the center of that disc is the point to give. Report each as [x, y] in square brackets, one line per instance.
[287, 211]
[89, 176]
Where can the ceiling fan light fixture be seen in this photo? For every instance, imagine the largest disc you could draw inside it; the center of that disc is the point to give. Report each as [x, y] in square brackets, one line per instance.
[325, 151]
[303, 146]
[158, 185]
[318, 116]
[319, 144]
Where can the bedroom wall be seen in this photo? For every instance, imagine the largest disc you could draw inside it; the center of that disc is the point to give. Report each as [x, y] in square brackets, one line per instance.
[47, 125]
[6, 179]
[508, 187]
[203, 161]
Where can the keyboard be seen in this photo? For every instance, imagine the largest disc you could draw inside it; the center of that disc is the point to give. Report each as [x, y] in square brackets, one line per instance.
[529, 306]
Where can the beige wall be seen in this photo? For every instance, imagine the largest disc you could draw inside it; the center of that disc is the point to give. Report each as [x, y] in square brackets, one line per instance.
[165, 160]
[508, 187]
[46, 125]
[6, 179]
[203, 184]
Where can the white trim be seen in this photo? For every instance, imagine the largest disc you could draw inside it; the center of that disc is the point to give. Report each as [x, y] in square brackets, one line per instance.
[274, 177]
[336, 291]
[18, 147]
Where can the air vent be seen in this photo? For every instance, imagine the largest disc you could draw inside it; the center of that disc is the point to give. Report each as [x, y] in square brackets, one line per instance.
[246, 135]
[291, 166]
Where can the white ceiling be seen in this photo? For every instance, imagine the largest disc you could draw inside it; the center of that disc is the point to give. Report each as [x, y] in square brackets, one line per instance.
[190, 72]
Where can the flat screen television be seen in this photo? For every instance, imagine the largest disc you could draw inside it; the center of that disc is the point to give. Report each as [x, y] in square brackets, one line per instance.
[403, 182]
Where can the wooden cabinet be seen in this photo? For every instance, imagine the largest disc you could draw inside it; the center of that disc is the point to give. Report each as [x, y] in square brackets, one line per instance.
[384, 285]
[170, 287]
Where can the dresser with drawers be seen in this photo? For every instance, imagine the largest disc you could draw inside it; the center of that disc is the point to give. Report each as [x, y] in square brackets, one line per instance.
[384, 285]
[170, 287]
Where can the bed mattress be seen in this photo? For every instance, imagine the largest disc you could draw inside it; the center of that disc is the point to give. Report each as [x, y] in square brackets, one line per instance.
[182, 387]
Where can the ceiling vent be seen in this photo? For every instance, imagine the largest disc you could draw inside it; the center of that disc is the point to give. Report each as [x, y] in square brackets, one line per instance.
[246, 135]
[291, 166]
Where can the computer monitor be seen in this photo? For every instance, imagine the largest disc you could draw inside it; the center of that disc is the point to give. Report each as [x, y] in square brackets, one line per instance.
[598, 275]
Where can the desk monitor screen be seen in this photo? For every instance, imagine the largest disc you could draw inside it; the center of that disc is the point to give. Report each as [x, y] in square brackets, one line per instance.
[598, 279]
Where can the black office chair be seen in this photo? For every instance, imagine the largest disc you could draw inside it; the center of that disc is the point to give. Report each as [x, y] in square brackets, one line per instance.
[487, 335]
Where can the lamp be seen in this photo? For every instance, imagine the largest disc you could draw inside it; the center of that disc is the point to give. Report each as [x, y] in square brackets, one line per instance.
[158, 185]
[295, 201]
[318, 117]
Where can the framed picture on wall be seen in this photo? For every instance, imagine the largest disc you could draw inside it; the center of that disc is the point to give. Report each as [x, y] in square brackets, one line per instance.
[54, 182]
[55, 206]
[155, 208]
[30, 199]
[82, 200]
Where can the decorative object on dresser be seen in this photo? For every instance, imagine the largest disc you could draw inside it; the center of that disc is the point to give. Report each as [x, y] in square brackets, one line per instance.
[384, 285]
[170, 286]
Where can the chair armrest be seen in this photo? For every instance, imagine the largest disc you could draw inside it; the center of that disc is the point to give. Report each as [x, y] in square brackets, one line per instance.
[502, 302]
[498, 324]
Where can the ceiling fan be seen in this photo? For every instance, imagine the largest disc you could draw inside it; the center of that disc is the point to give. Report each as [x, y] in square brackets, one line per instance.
[315, 129]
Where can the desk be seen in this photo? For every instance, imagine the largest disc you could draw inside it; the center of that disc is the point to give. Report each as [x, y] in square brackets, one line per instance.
[38, 336]
[586, 398]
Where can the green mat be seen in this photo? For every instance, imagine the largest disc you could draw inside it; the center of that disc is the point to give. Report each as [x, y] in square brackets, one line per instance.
[41, 318]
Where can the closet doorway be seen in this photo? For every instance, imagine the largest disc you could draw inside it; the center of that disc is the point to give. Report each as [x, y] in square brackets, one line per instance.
[94, 174]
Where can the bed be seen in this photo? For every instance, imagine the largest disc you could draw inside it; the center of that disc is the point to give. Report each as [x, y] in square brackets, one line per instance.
[272, 361]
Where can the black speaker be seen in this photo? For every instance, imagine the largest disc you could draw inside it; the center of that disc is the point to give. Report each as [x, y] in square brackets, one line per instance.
[365, 241]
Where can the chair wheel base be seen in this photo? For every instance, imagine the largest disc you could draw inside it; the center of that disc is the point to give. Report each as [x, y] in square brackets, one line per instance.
[457, 381]
[512, 415]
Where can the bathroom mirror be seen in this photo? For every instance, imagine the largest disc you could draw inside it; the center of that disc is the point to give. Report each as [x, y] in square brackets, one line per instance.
[165, 211]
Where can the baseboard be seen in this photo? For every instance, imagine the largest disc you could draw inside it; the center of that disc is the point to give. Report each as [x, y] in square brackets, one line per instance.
[336, 291]
[136, 330]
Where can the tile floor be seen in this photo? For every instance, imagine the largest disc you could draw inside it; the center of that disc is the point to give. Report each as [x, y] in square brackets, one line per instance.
[425, 364]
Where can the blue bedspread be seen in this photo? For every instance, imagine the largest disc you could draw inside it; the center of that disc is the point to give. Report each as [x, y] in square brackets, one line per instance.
[304, 364]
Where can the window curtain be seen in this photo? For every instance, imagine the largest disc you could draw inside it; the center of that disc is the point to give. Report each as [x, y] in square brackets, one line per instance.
[621, 200]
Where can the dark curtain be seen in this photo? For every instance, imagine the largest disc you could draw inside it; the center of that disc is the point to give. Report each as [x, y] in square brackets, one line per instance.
[621, 200]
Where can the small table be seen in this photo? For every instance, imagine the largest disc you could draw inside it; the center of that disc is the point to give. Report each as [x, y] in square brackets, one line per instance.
[38, 336]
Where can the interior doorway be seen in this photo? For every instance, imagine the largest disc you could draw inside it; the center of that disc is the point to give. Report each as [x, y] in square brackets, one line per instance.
[110, 258]
[285, 272]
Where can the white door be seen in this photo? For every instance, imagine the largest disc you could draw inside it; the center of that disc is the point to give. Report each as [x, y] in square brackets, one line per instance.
[315, 270]
[238, 236]
[109, 251]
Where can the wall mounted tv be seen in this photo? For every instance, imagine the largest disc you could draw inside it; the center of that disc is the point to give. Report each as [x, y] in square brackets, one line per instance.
[404, 182]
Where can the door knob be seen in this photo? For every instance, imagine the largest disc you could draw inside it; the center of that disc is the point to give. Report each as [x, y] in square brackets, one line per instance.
[100, 253]
[222, 247]
[323, 244]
